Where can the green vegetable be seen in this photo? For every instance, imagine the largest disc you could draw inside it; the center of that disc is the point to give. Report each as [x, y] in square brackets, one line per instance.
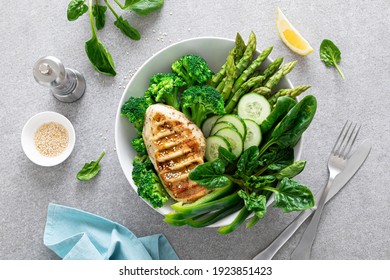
[193, 69]
[123, 25]
[248, 162]
[230, 77]
[90, 169]
[292, 170]
[288, 132]
[99, 12]
[291, 92]
[141, 7]
[134, 109]
[139, 145]
[251, 83]
[282, 106]
[330, 55]
[254, 202]
[76, 8]
[292, 196]
[210, 174]
[247, 56]
[283, 71]
[246, 74]
[237, 51]
[164, 88]
[97, 53]
[200, 102]
[149, 186]
[241, 217]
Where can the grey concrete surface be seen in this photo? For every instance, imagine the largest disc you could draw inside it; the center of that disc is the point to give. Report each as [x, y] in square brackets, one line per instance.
[355, 224]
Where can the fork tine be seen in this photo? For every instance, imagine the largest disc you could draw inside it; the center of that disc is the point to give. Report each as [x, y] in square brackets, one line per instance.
[350, 142]
[338, 144]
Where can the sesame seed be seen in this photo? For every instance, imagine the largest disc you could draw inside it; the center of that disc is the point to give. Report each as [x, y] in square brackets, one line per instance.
[51, 139]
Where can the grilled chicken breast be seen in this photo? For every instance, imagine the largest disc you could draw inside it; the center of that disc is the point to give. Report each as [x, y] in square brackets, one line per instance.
[175, 145]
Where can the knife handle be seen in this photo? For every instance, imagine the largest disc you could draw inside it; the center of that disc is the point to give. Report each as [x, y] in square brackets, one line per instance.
[273, 248]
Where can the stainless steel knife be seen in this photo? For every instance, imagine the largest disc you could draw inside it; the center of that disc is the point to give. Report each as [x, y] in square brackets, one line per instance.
[356, 160]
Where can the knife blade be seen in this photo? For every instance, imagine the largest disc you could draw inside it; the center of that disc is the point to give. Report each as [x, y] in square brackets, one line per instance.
[354, 163]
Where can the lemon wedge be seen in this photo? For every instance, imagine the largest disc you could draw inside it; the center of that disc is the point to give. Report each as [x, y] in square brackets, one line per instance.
[290, 36]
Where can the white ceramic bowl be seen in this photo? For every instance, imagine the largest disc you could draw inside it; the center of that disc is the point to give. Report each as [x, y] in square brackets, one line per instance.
[214, 51]
[28, 134]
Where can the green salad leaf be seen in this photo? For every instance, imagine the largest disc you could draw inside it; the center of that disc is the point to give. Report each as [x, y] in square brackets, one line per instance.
[76, 8]
[90, 169]
[99, 12]
[330, 55]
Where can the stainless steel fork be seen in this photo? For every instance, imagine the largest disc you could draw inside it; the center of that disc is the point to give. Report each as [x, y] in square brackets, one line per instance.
[336, 163]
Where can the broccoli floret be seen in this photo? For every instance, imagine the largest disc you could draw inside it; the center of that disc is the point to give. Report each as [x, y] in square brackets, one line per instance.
[193, 69]
[139, 145]
[165, 88]
[134, 109]
[200, 102]
[148, 183]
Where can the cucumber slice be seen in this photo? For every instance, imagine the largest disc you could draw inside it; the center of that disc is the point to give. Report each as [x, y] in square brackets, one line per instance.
[220, 125]
[235, 120]
[208, 125]
[234, 139]
[212, 145]
[253, 134]
[254, 107]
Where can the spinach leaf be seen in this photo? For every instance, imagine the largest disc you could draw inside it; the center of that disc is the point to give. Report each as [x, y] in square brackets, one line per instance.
[76, 8]
[291, 170]
[125, 27]
[90, 169]
[98, 12]
[330, 55]
[254, 202]
[290, 129]
[210, 174]
[97, 53]
[276, 158]
[292, 196]
[248, 162]
[282, 106]
[260, 182]
[226, 156]
[143, 7]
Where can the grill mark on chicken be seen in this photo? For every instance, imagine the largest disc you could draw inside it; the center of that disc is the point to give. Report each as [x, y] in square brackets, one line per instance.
[176, 146]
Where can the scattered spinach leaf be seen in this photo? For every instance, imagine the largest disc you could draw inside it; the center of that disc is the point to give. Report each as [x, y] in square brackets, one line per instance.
[330, 55]
[142, 7]
[97, 53]
[99, 12]
[90, 169]
[76, 8]
[128, 30]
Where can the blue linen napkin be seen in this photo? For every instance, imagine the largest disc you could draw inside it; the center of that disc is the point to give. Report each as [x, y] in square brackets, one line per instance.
[78, 235]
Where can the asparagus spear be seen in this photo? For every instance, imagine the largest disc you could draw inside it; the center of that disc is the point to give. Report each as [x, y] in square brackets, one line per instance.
[230, 77]
[251, 68]
[251, 83]
[272, 67]
[247, 56]
[238, 51]
[262, 91]
[291, 92]
[283, 71]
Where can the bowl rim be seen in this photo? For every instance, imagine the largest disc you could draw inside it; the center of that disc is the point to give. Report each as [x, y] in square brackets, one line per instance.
[46, 117]
[297, 149]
